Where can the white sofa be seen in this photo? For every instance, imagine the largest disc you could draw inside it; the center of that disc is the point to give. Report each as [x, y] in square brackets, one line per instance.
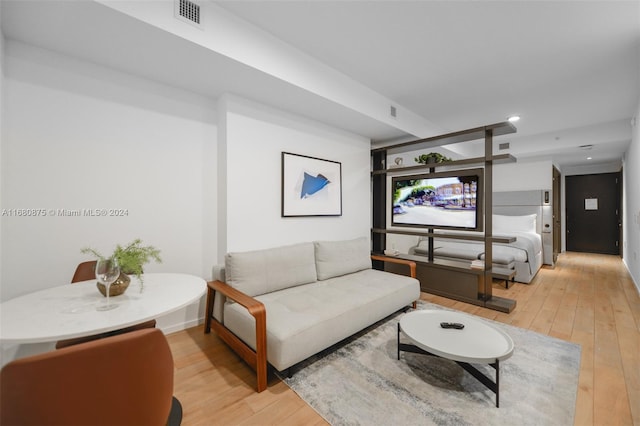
[282, 305]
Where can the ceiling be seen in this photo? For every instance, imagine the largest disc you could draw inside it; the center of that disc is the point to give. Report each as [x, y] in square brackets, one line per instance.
[571, 69]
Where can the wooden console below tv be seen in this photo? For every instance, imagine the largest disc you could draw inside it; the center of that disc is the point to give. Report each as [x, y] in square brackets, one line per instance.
[455, 280]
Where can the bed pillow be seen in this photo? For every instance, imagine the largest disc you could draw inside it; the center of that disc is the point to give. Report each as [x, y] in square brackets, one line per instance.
[505, 224]
[336, 258]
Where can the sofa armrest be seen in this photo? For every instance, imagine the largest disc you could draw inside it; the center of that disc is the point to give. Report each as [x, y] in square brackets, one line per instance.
[410, 263]
[256, 359]
[253, 306]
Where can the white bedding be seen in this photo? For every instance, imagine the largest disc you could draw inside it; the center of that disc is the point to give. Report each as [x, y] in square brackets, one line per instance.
[525, 249]
[518, 254]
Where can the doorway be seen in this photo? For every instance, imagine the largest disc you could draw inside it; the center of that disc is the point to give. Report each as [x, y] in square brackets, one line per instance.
[593, 213]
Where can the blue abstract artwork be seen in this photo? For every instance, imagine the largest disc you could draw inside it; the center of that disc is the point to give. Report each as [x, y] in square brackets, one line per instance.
[312, 184]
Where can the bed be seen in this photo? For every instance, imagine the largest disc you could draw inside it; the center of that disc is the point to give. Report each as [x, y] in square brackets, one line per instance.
[524, 255]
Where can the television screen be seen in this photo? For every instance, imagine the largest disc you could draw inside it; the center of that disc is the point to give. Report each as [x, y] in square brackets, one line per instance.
[450, 199]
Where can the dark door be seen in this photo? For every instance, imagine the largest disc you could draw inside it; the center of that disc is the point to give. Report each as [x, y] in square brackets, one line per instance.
[592, 214]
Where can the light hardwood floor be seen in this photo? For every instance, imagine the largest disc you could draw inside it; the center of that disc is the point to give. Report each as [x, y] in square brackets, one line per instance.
[587, 299]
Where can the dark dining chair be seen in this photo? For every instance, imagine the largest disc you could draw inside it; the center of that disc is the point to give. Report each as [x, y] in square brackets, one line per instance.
[120, 380]
[86, 271]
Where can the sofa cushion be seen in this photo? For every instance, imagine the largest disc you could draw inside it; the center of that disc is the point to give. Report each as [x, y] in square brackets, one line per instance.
[263, 271]
[306, 319]
[336, 258]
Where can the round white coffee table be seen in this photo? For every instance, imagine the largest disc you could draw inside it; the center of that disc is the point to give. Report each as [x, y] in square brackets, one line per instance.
[477, 343]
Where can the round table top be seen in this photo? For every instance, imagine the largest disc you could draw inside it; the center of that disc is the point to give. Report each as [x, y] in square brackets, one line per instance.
[478, 342]
[69, 310]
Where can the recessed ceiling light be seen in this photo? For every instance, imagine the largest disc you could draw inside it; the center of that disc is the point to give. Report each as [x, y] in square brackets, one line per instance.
[588, 158]
[513, 118]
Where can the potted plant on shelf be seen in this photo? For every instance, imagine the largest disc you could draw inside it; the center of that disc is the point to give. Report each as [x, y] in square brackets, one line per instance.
[131, 259]
[432, 157]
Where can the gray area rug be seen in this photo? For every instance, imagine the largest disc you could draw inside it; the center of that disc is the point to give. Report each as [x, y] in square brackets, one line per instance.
[361, 382]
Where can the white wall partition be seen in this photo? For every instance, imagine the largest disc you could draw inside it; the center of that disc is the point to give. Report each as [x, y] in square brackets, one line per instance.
[255, 138]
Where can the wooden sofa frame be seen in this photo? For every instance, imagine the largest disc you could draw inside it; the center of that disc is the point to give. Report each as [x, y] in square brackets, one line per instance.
[257, 359]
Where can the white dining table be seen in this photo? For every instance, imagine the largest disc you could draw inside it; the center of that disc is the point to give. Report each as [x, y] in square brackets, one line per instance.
[69, 311]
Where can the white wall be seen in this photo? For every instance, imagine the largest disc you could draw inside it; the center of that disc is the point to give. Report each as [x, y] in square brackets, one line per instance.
[523, 176]
[79, 136]
[2, 125]
[590, 169]
[255, 138]
[631, 203]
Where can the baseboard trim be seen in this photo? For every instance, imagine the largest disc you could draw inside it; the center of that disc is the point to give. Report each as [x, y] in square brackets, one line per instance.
[182, 326]
[626, 265]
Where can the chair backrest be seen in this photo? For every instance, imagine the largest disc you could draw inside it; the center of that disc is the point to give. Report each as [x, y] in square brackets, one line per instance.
[125, 380]
[85, 271]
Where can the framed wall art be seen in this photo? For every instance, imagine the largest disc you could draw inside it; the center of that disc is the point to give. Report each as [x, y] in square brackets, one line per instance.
[310, 186]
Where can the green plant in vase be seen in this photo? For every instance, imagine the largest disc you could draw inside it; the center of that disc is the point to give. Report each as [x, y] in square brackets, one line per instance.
[430, 158]
[131, 259]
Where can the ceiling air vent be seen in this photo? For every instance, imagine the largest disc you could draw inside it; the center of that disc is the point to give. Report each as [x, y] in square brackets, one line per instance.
[503, 145]
[188, 11]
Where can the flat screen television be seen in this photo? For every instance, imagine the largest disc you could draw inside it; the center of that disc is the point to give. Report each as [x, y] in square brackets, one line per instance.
[447, 200]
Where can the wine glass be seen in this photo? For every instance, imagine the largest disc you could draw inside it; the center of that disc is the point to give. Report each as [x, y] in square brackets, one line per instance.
[107, 271]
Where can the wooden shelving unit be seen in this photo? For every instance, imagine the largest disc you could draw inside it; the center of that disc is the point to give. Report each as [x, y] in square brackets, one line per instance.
[453, 279]
[477, 133]
[505, 240]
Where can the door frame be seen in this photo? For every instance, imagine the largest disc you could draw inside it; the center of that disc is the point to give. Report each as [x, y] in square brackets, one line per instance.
[557, 212]
[620, 214]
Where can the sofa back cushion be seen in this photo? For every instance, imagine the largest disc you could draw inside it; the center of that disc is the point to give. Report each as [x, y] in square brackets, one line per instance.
[263, 271]
[336, 258]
